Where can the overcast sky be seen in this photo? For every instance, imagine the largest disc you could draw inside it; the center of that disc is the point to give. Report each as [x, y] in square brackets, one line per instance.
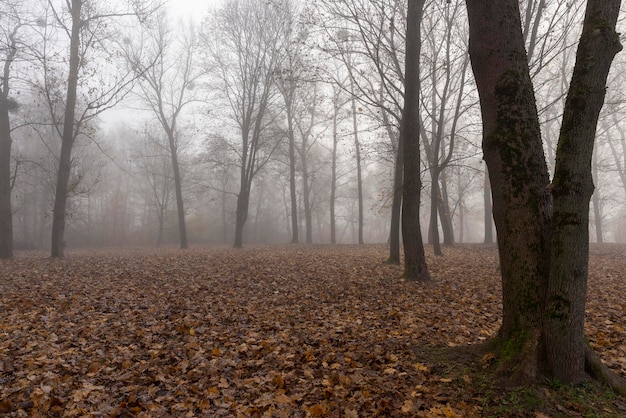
[191, 8]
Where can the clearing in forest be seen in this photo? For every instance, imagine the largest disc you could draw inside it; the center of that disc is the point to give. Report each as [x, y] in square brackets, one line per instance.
[276, 331]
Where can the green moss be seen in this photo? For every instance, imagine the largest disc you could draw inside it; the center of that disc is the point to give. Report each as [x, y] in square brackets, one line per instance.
[512, 347]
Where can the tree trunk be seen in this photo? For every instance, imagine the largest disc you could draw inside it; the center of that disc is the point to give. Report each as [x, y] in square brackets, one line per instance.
[241, 215]
[415, 268]
[445, 214]
[518, 174]
[182, 228]
[359, 181]
[396, 207]
[68, 136]
[333, 175]
[597, 210]
[488, 215]
[292, 180]
[306, 192]
[543, 252]
[6, 214]
[572, 187]
[433, 229]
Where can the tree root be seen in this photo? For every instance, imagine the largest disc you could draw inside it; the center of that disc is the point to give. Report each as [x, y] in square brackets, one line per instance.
[601, 372]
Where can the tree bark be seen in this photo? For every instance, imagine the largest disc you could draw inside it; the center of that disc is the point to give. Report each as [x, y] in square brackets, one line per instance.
[543, 249]
[359, 180]
[68, 137]
[445, 214]
[518, 175]
[292, 173]
[488, 215]
[333, 174]
[241, 215]
[415, 268]
[572, 187]
[396, 207]
[182, 228]
[6, 214]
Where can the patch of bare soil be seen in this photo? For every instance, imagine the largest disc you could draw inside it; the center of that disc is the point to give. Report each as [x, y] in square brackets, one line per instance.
[264, 331]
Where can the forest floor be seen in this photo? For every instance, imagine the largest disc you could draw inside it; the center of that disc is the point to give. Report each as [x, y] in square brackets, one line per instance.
[277, 331]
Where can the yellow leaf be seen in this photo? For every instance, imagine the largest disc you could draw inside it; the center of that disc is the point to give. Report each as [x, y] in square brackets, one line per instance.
[318, 410]
[407, 406]
[192, 331]
[421, 367]
[282, 399]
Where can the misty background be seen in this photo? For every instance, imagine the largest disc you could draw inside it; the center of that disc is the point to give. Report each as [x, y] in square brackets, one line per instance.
[269, 121]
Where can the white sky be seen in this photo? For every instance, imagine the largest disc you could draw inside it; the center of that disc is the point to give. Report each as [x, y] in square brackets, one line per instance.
[191, 8]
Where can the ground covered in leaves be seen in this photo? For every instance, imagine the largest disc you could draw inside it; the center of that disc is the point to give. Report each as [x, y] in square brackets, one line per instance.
[276, 331]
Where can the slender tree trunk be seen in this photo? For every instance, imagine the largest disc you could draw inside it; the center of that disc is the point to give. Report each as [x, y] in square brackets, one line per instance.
[445, 215]
[288, 96]
[6, 214]
[292, 185]
[415, 268]
[306, 194]
[396, 207]
[433, 230]
[597, 210]
[333, 176]
[488, 214]
[161, 219]
[572, 187]
[67, 140]
[359, 181]
[241, 215]
[182, 228]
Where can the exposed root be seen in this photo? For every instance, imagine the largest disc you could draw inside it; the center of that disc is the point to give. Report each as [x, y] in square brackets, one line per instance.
[599, 371]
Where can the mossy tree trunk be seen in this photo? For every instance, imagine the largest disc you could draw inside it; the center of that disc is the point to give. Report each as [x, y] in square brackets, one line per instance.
[572, 188]
[415, 268]
[543, 251]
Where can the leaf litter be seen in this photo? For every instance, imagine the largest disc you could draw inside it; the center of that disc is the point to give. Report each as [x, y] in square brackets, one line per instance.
[281, 331]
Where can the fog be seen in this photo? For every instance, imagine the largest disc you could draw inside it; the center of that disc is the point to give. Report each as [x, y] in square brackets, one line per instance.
[247, 122]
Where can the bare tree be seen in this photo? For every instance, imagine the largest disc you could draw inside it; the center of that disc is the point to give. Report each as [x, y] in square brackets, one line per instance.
[168, 78]
[89, 27]
[154, 166]
[9, 47]
[246, 39]
[415, 267]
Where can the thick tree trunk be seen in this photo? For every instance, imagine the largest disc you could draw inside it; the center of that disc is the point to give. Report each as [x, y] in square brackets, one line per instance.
[415, 268]
[68, 136]
[543, 250]
[6, 214]
[518, 174]
[572, 188]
